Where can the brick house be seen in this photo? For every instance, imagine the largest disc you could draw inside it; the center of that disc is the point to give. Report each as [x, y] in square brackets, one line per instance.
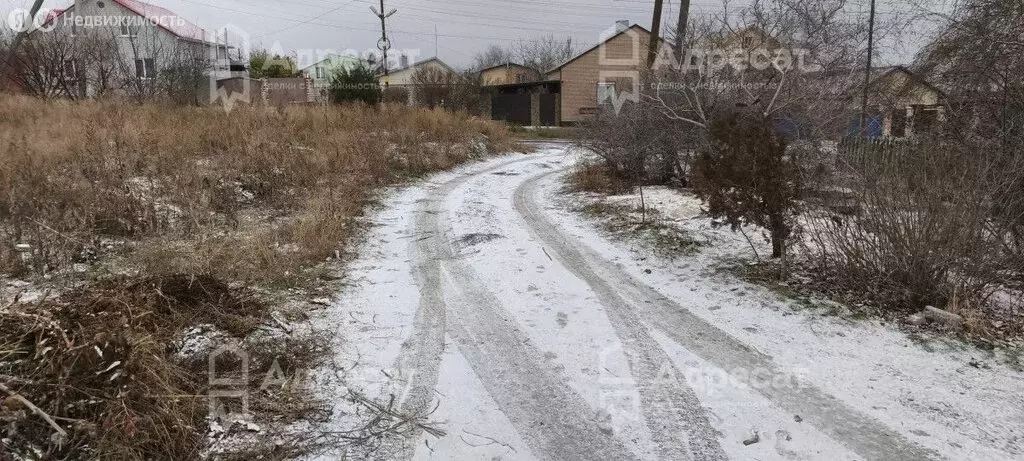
[579, 88]
[605, 70]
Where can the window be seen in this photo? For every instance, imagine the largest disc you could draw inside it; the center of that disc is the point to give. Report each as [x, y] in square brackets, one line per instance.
[144, 68]
[605, 92]
[319, 72]
[126, 28]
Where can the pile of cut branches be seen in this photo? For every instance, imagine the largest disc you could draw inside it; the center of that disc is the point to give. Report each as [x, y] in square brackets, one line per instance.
[92, 374]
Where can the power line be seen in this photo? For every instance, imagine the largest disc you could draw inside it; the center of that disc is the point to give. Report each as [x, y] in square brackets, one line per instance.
[555, 29]
[336, 25]
[304, 22]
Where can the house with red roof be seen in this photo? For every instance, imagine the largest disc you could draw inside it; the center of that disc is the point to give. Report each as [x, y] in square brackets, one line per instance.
[136, 48]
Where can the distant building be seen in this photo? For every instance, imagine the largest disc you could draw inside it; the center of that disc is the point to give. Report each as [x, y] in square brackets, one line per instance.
[322, 71]
[503, 74]
[401, 78]
[579, 88]
[583, 87]
[901, 103]
[142, 44]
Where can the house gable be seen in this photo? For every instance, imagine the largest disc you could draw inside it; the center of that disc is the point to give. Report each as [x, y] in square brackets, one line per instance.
[625, 51]
[403, 76]
[326, 67]
[898, 87]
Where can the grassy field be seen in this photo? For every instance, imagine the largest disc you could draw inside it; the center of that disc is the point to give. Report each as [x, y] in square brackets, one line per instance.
[149, 221]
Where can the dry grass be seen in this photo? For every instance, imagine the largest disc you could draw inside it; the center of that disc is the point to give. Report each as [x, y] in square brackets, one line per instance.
[95, 361]
[77, 176]
[167, 207]
[596, 177]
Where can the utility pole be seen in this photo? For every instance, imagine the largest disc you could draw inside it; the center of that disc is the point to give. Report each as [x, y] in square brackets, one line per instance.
[684, 17]
[867, 73]
[652, 48]
[384, 44]
[18, 37]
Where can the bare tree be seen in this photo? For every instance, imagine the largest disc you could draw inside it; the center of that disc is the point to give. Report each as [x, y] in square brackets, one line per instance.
[782, 69]
[541, 53]
[432, 86]
[50, 65]
[453, 91]
[979, 58]
[20, 36]
[155, 65]
[492, 56]
[545, 52]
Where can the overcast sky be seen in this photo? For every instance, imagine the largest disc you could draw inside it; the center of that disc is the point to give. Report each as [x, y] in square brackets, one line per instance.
[463, 27]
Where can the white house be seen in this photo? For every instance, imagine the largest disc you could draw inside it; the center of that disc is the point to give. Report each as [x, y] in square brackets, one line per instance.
[323, 70]
[137, 48]
[402, 77]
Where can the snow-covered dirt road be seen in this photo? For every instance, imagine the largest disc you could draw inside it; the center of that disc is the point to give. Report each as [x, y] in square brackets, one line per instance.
[526, 334]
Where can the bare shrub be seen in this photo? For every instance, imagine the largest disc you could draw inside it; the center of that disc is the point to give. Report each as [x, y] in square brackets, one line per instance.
[436, 88]
[935, 219]
[926, 228]
[396, 95]
[639, 145]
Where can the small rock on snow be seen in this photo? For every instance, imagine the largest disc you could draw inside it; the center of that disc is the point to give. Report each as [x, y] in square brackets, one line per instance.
[752, 439]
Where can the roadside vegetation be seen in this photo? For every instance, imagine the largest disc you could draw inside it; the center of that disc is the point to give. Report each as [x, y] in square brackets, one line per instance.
[925, 229]
[137, 238]
[556, 133]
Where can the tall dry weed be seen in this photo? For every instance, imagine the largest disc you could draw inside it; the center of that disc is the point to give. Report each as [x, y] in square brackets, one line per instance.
[80, 177]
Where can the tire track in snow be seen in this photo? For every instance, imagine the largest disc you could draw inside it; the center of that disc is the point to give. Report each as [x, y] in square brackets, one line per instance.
[419, 360]
[859, 432]
[678, 422]
[549, 416]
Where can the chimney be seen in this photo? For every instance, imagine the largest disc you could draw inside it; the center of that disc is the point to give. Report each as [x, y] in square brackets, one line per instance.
[621, 25]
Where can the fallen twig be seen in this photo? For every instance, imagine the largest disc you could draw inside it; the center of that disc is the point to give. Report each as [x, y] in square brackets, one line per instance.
[35, 409]
[493, 441]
